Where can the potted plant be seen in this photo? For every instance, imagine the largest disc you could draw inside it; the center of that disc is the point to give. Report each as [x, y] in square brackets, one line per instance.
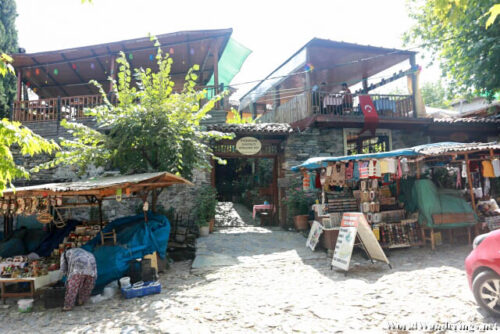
[205, 205]
[298, 203]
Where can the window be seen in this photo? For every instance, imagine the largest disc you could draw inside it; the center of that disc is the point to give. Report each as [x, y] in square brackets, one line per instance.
[354, 143]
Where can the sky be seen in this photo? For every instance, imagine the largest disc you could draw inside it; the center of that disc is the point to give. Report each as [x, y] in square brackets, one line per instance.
[272, 29]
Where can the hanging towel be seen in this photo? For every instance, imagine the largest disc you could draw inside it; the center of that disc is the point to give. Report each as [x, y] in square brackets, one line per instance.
[384, 166]
[378, 172]
[496, 167]
[399, 173]
[317, 180]
[312, 184]
[459, 179]
[487, 169]
[371, 168]
[356, 171]
[392, 165]
[464, 170]
[487, 186]
[363, 170]
[349, 170]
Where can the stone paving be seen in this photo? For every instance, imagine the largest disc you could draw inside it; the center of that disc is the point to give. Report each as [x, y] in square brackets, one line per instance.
[271, 283]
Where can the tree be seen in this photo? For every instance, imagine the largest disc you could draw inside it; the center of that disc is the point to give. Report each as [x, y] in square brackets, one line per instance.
[455, 32]
[150, 128]
[435, 95]
[14, 134]
[8, 44]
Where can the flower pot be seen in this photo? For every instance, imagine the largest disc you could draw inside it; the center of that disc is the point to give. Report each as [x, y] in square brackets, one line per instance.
[300, 222]
[211, 225]
[204, 231]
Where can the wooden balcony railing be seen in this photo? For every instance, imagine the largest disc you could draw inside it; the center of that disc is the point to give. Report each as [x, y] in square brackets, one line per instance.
[72, 108]
[315, 102]
[53, 109]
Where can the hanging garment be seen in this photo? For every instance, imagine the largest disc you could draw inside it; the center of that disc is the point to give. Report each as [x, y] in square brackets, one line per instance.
[356, 171]
[487, 169]
[378, 172]
[487, 186]
[404, 166]
[496, 167]
[399, 173]
[363, 170]
[338, 175]
[323, 177]
[393, 165]
[349, 171]
[384, 166]
[371, 168]
[306, 181]
[312, 184]
[458, 184]
[317, 180]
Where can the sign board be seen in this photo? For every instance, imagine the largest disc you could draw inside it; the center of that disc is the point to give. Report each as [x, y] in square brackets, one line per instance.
[248, 145]
[313, 238]
[354, 223]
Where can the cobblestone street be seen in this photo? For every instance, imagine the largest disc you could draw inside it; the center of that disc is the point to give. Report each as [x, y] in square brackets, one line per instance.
[254, 279]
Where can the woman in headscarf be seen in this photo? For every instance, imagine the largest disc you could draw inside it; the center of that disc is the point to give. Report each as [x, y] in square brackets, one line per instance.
[80, 269]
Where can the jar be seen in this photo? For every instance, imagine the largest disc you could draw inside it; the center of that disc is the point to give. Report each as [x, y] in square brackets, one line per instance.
[372, 207]
[377, 217]
[365, 207]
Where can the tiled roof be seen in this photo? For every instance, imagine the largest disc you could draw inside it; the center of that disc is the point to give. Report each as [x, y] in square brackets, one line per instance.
[467, 120]
[257, 128]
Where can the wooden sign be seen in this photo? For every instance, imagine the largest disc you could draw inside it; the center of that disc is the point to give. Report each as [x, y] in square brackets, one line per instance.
[248, 145]
[314, 234]
[354, 223]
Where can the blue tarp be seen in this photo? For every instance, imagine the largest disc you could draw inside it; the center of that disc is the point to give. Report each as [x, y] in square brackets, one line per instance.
[135, 239]
[318, 162]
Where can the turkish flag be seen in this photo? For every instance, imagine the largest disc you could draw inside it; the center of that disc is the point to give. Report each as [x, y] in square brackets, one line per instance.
[370, 113]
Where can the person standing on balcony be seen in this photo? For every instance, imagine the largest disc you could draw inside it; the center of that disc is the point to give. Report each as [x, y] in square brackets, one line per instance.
[346, 99]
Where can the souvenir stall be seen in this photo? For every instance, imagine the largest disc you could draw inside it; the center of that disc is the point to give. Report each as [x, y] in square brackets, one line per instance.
[403, 206]
[38, 265]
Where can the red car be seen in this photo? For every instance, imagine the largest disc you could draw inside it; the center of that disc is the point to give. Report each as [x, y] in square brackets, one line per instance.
[483, 271]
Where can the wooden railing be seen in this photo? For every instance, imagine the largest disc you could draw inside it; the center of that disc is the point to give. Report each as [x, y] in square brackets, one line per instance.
[298, 108]
[53, 109]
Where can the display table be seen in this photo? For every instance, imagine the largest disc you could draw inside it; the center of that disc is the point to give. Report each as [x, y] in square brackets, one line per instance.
[35, 284]
[262, 207]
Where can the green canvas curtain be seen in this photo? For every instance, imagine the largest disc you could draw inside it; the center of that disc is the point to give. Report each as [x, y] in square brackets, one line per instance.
[230, 63]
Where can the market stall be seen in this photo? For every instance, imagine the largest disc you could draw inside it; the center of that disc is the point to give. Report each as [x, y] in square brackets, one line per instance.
[394, 191]
[38, 264]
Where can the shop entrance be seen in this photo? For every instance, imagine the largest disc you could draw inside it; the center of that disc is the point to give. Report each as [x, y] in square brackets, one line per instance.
[245, 181]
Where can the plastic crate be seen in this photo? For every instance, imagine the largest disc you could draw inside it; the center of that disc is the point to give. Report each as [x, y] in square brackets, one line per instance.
[140, 290]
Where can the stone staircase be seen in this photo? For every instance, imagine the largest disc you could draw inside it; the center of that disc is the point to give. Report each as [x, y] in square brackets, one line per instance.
[52, 129]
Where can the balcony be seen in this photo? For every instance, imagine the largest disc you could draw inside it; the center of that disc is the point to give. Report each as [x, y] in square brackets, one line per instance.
[312, 103]
[73, 108]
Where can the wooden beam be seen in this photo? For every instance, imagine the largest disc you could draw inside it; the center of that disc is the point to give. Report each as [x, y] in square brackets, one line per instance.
[98, 60]
[76, 72]
[19, 84]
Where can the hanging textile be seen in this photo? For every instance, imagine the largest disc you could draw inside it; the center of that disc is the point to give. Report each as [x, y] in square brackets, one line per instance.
[496, 167]
[464, 170]
[384, 166]
[317, 180]
[306, 181]
[349, 171]
[399, 173]
[356, 171]
[312, 183]
[487, 169]
[363, 170]
[487, 186]
[392, 165]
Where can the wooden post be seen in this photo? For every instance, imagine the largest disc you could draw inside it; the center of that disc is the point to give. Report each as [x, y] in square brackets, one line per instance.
[418, 169]
[471, 189]
[112, 72]
[99, 202]
[413, 84]
[216, 68]
[19, 84]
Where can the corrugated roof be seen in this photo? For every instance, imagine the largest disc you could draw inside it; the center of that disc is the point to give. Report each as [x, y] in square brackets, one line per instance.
[256, 128]
[94, 185]
[420, 150]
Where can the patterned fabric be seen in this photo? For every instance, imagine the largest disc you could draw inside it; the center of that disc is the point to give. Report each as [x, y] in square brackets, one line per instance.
[78, 285]
[78, 261]
[363, 170]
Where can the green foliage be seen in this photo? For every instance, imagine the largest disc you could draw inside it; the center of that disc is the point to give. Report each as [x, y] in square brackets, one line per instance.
[151, 127]
[493, 12]
[238, 119]
[297, 200]
[12, 133]
[8, 44]
[205, 205]
[435, 95]
[455, 32]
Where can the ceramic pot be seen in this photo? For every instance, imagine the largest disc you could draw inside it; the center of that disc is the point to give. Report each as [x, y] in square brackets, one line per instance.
[204, 231]
[300, 222]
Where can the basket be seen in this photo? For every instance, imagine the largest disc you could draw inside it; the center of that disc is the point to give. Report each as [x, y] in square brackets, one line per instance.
[140, 290]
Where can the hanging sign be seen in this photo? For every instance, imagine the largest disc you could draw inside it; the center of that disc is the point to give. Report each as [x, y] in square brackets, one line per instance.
[248, 145]
[354, 223]
[314, 234]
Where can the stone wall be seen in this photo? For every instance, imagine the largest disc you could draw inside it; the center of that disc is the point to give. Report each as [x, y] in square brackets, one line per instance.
[408, 138]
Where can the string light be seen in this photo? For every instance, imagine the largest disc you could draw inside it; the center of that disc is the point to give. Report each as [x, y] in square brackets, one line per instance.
[37, 71]
[56, 71]
[73, 66]
[151, 57]
[130, 56]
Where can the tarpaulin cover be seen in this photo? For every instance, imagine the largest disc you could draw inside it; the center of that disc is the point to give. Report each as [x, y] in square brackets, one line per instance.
[429, 200]
[135, 238]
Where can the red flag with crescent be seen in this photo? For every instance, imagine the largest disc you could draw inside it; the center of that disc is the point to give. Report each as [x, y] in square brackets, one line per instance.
[370, 113]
